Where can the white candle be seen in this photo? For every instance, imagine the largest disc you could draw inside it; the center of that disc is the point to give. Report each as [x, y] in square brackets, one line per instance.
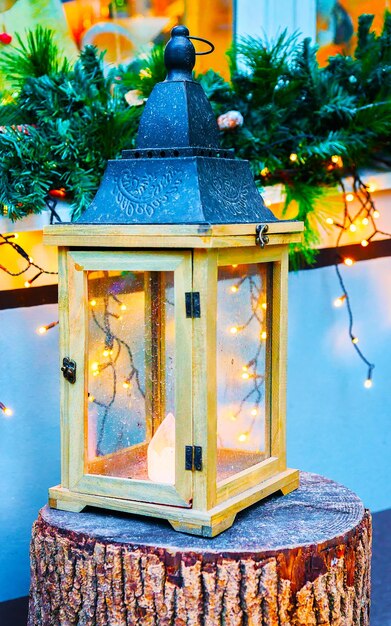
[161, 453]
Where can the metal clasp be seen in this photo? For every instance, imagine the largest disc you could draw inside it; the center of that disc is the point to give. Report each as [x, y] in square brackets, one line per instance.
[69, 370]
[261, 239]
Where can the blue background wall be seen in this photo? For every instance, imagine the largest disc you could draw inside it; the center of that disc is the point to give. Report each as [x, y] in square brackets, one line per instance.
[336, 427]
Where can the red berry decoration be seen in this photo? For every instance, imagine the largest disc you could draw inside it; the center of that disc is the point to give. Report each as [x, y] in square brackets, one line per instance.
[58, 193]
[5, 38]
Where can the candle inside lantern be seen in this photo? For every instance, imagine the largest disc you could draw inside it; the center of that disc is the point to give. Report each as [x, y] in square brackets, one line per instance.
[161, 452]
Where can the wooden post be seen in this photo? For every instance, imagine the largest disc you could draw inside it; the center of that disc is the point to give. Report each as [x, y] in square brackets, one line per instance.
[298, 560]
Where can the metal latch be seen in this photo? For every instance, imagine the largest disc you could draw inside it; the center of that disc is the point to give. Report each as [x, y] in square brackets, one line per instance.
[261, 238]
[193, 458]
[193, 304]
[69, 369]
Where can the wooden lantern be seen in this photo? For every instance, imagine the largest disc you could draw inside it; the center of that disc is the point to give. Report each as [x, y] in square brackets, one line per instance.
[173, 308]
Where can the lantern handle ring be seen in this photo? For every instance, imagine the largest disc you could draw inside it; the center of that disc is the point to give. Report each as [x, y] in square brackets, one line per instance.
[205, 41]
[261, 238]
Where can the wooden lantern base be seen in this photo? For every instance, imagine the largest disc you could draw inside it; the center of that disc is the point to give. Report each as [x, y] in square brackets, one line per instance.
[204, 523]
[301, 560]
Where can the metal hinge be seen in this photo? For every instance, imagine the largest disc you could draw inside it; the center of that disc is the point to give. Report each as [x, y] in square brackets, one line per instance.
[193, 458]
[193, 304]
[261, 239]
[69, 370]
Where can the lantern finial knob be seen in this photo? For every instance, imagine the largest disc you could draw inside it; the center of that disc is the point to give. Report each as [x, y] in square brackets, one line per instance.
[179, 55]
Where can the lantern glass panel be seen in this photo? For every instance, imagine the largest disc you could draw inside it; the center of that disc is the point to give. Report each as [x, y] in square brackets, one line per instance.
[243, 423]
[131, 375]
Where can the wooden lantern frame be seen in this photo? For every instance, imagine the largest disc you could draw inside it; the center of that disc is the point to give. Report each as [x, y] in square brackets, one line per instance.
[196, 503]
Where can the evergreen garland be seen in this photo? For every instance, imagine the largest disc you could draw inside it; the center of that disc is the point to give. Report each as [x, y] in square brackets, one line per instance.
[297, 116]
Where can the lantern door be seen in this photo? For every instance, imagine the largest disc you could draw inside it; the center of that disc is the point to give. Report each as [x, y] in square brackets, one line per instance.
[251, 361]
[130, 409]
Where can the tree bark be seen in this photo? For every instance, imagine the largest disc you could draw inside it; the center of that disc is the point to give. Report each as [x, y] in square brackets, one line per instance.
[297, 560]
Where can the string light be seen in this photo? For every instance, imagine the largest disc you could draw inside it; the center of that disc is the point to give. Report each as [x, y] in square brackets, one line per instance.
[365, 243]
[338, 302]
[330, 220]
[365, 221]
[263, 334]
[353, 228]
[123, 307]
[44, 329]
[233, 330]
[243, 437]
[93, 302]
[376, 214]
[6, 410]
[348, 261]
[234, 288]
[354, 339]
[268, 202]
[264, 306]
[368, 383]
[349, 197]
[9, 240]
[254, 412]
[293, 157]
[265, 171]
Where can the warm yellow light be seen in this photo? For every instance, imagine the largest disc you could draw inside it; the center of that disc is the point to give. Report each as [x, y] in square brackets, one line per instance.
[91, 398]
[265, 171]
[353, 228]
[93, 302]
[125, 384]
[106, 352]
[42, 330]
[27, 283]
[242, 437]
[354, 339]
[335, 158]
[368, 383]
[95, 366]
[245, 375]
[349, 197]
[234, 288]
[123, 307]
[293, 157]
[268, 202]
[339, 301]
[348, 261]
[233, 330]
[264, 306]
[263, 334]
[95, 373]
[365, 221]
[365, 243]
[376, 214]
[15, 235]
[371, 187]
[330, 220]
[254, 412]
[244, 368]
[31, 260]
[234, 266]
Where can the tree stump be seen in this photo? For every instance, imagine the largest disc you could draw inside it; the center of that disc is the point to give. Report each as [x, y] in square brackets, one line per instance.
[300, 559]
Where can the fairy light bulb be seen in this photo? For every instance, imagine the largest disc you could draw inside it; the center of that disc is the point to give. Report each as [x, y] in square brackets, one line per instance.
[91, 398]
[354, 339]
[242, 437]
[349, 197]
[353, 228]
[95, 366]
[123, 307]
[27, 284]
[265, 171]
[234, 288]
[338, 302]
[263, 334]
[245, 375]
[336, 159]
[254, 412]
[330, 220]
[264, 306]
[268, 202]
[234, 266]
[233, 330]
[376, 214]
[368, 383]
[365, 221]
[348, 261]
[293, 157]
[93, 302]
[371, 187]
[42, 330]
[364, 243]
[106, 352]
[126, 384]
[6, 410]
[31, 260]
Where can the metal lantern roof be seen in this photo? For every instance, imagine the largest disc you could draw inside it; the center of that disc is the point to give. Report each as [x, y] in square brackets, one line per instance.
[177, 174]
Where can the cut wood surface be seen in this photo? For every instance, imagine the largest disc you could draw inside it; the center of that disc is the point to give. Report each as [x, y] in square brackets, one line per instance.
[300, 559]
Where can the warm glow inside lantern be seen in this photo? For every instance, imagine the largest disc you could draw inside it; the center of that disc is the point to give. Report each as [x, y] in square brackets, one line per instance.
[173, 305]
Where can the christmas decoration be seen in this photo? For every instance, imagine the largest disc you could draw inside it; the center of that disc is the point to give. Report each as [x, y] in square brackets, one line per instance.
[5, 38]
[230, 120]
